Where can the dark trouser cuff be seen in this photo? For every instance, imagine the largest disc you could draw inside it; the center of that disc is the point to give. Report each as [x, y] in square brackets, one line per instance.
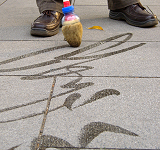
[118, 4]
[55, 6]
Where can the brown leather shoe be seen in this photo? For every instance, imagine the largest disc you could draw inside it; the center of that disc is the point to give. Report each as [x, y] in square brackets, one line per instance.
[135, 15]
[47, 24]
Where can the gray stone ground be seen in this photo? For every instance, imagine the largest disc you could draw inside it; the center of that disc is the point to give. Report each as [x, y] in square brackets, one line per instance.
[105, 94]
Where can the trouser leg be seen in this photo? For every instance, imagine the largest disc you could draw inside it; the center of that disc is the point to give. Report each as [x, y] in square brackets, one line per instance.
[55, 5]
[118, 4]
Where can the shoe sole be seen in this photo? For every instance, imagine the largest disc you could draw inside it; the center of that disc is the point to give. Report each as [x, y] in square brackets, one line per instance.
[44, 32]
[122, 16]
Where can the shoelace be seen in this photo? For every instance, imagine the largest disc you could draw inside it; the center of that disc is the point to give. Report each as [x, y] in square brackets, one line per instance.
[141, 6]
[47, 12]
[151, 12]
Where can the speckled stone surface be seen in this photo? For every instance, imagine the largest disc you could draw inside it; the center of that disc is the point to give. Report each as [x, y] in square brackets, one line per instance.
[104, 94]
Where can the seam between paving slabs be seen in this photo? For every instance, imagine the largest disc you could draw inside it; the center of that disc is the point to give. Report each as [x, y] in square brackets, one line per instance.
[3, 2]
[45, 114]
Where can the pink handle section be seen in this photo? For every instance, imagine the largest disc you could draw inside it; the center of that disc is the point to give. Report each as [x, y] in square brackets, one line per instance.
[70, 17]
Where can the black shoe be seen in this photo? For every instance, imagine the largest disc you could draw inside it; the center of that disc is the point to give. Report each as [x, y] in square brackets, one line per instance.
[135, 15]
[47, 24]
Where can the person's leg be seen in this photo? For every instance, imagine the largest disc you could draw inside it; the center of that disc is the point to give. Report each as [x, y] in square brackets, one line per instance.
[54, 5]
[118, 4]
[132, 12]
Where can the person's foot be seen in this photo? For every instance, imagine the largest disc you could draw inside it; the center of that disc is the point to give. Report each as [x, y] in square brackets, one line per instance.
[135, 15]
[47, 24]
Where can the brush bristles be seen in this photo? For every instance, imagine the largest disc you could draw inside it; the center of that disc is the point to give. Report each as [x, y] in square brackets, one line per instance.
[73, 34]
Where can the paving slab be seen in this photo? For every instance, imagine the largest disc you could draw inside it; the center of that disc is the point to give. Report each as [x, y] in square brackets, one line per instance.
[18, 101]
[137, 59]
[118, 105]
[129, 106]
[101, 95]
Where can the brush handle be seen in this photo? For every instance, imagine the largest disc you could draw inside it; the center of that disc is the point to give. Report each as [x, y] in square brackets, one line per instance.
[66, 3]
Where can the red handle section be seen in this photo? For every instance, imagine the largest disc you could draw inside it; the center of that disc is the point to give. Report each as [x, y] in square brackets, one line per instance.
[66, 3]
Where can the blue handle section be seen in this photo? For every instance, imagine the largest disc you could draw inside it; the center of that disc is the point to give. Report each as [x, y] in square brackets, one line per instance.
[68, 9]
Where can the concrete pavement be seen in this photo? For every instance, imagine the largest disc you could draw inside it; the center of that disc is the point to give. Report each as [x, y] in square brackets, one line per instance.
[103, 94]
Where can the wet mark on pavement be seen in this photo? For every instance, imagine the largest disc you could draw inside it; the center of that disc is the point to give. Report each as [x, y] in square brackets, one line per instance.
[92, 130]
[88, 133]
[70, 56]
[69, 102]
[99, 95]
[13, 148]
[48, 141]
[74, 85]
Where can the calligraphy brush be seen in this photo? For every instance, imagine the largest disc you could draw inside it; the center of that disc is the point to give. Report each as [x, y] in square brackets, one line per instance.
[71, 26]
